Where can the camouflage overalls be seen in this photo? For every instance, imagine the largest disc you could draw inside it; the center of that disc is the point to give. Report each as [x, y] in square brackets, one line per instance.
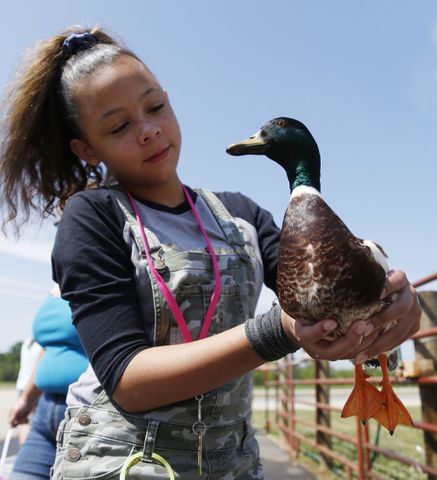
[95, 440]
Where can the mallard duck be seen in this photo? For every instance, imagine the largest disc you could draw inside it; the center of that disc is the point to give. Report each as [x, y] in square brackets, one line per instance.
[325, 271]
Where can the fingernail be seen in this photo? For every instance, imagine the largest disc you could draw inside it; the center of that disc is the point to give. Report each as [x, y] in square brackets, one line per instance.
[329, 325]
[368, 329]
[360, 329]
[394, 296]
[361, 358]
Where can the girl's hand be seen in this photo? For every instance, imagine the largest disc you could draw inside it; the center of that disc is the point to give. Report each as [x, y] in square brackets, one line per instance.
[311, 338]
[399, 321]
[363, 339]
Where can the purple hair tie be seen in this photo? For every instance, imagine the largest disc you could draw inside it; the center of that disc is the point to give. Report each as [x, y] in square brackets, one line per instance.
[78, 41]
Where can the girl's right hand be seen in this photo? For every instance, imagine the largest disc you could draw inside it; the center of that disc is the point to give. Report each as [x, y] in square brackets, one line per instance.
[311, 338]
[365, 338]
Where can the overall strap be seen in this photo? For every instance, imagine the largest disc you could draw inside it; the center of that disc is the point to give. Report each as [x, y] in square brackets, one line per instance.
[149, 440]
[225, 220]
[147, 455]
[126, 208]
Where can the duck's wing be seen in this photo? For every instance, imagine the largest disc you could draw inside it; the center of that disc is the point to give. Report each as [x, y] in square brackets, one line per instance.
[324, 270]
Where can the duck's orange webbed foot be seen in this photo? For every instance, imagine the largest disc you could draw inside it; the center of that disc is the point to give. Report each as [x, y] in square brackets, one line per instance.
[365, 399]
[393, 412]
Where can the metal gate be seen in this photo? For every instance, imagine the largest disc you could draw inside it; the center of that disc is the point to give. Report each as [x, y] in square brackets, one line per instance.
[330, 444]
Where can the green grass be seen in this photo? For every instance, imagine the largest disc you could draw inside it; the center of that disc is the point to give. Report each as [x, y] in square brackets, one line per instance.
[7, 384]
[405, 441]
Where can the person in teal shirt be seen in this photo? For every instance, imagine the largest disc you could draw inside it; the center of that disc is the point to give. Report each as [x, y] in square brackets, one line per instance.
[61, 362]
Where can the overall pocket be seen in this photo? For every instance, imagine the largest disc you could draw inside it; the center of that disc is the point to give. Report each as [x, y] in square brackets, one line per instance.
[93, 457]
[97, 441]
[194, 301]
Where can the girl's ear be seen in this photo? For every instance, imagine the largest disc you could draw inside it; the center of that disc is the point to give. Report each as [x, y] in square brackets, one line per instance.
[84, 151]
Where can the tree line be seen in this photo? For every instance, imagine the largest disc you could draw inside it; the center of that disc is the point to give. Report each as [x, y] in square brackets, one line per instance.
[10, 363]
[305, 371]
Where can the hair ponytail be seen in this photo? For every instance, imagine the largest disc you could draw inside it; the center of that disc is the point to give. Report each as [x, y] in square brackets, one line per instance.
[38, 171]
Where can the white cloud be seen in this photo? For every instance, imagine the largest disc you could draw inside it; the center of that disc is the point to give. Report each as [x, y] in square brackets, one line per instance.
[22, 288]
[35, 246]
[36, 251]
[35, 242]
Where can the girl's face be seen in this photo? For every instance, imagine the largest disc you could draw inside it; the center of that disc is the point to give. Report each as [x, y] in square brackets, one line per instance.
[128, 124]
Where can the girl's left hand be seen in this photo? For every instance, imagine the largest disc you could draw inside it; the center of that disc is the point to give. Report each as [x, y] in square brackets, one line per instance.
[399, 321]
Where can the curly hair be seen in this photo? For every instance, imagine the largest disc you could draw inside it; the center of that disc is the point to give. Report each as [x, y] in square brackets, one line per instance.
[38, 171]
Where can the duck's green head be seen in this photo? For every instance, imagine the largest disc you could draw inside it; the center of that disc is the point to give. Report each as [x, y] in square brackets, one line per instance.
[289, 143]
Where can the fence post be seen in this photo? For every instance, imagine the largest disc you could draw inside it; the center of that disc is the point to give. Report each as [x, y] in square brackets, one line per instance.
[426, 348]
[362, 470]
[284, 417]
[293, 441]
[323, 415]
[266, 374]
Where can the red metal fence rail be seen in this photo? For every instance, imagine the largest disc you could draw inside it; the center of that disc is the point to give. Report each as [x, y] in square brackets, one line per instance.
[322, 435]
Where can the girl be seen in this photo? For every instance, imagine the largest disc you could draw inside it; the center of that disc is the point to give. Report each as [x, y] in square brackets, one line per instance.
[162, 279]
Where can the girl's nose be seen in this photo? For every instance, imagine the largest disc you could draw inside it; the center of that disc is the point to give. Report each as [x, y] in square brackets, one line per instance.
[149, 131]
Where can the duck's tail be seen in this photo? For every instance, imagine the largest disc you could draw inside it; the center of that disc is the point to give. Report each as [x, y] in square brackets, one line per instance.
[393, 359]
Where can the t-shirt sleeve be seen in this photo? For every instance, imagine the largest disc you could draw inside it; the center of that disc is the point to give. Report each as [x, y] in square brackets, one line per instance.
[91, 263]
[268, 232]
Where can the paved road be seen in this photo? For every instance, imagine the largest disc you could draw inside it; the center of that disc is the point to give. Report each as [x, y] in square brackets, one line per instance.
[409, 396]
[7, 398]
[276, 462]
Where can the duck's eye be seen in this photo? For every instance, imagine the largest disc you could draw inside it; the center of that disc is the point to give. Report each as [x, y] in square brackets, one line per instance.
[280, 123]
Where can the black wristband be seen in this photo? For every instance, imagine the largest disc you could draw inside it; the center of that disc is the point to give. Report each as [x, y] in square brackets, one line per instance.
[267, 337]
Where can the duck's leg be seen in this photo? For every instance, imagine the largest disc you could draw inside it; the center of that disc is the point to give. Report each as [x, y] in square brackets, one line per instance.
[364, 400]
[393, 412]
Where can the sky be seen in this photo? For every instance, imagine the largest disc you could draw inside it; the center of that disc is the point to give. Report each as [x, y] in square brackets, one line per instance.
[361, 75]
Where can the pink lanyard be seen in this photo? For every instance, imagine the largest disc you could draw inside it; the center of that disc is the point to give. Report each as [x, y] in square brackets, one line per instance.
[174, 307]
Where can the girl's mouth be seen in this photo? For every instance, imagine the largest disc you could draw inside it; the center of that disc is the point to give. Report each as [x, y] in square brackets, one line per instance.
[158, 156]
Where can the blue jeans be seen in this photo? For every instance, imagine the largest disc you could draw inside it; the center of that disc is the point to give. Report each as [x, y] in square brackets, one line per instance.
[37, 454]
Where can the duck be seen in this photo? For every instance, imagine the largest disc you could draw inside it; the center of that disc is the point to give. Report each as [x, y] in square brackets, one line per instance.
[324, 271]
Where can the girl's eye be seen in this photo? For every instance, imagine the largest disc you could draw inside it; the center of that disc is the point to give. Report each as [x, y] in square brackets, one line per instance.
[156, 108]
[120, 128]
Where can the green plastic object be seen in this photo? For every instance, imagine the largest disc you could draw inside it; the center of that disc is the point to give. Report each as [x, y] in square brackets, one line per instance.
[136, 457]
